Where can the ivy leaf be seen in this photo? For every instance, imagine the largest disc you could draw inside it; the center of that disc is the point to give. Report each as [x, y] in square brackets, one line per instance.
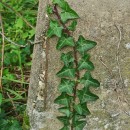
[87, 80]
[78, 108]
[84, 63]
[72, 27]
[64, 128]
[66, 86]
[64, 41]
[85, 95]
[54, 29]
[68, 15]
[66, 72]
[82, 109]
[64, 120]
[85, 109]
[79, 125]
[77, 117]
[84, 45]
[63, 4]
[67, 59]
[63, 99]
[65, 110]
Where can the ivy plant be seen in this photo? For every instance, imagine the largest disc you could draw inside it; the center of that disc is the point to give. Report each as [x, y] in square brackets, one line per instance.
[74, 87]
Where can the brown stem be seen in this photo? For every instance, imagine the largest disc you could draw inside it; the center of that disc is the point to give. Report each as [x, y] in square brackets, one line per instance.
[75, 59]
[3, 48]
[59, 18]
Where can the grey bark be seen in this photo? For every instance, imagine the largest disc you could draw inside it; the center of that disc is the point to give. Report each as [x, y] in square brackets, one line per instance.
[105, 22]
[35, 103]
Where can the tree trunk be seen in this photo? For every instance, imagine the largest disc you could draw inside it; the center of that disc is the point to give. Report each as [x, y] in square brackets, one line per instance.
[106, 22]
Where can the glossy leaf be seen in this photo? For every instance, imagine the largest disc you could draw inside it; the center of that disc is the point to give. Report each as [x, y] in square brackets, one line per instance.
[85, 109]
[68, 59]
[79, 125]
[85, 96]
[72, 27]
[84, 45]
[65, 128]
[82, 109]
[63, 99]
[68, 15]
[66, 72]
[67, 86]
[54, 29]
[85, 63]
[87, 80]
[64, 41]
[64, 120]
[78, 108]
[64, 6]
[77, 117]
[62, 3]
[65, 110]
[67, 12]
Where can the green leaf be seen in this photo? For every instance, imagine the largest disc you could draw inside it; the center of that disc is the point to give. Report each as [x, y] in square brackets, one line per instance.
[49, 9]
[82, 109]
[85, 95]
[64, 41]
[19, 23]
[71, 14]
[0, 98]
[67, 13]
[77, 117]
[64, 128]
[66, 72]
[64, 120]
[72, 27]
[88, 81]
[78, 108]
[84, 63]
[67, 86]
[85, 109]
[63, 99]
[84, 45]
[62, 3]
[65, 110]
[54, 29]
[67, 59]
[79, 125]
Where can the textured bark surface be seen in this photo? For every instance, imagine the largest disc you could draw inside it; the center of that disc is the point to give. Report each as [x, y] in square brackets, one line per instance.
[107, 23]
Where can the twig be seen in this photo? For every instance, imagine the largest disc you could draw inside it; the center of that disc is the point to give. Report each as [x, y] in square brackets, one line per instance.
[12, 103]
[118, 63]
[17, 13]
[117, 55]
[29, 42]
[100, 58]
[2, 58]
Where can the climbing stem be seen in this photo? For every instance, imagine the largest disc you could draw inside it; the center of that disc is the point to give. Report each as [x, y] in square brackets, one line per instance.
[73, 100]
[55, 11]
[77, 78]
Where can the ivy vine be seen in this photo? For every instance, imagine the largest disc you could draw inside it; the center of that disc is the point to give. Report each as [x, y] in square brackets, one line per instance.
[74, 97]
